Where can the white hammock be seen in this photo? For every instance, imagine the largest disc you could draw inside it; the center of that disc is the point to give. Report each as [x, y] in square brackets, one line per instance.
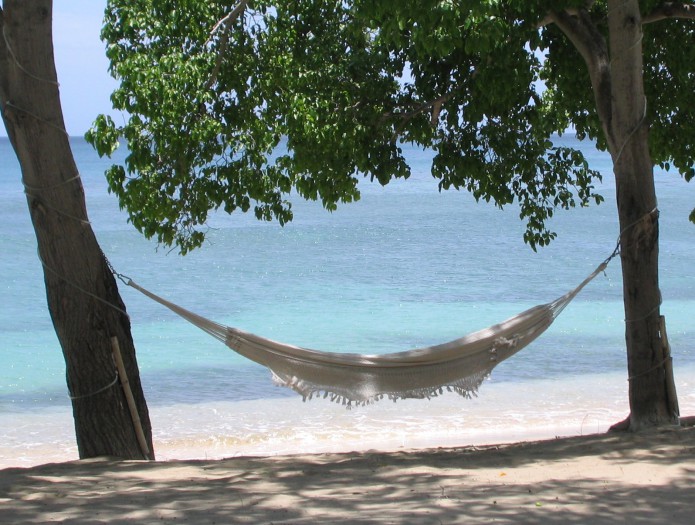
[460, 365]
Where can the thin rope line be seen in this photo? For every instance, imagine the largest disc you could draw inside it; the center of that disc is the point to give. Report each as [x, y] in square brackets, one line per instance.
[40, 119]
[634, 44]
[650, 312]
[656, 366]
[20, 66]
[57, 210]
[103, 389]
[618, 244]
[618, 247]
[654, 210]
[634, 130]
[77, 286]
[52, 187]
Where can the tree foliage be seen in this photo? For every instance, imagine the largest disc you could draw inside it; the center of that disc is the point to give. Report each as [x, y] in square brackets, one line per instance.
[668, 76]
[235, 106]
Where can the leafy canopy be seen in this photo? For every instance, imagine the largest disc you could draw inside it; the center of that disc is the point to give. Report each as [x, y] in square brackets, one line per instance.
[236, 108]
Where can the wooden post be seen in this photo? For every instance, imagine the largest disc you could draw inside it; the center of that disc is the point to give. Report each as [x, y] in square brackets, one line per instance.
[668, 366]
[134, 415]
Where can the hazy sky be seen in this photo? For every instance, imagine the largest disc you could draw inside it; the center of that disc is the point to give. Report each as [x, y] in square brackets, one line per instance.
[85, 85]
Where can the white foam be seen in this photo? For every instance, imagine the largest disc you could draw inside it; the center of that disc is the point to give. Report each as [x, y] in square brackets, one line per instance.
[503, 412]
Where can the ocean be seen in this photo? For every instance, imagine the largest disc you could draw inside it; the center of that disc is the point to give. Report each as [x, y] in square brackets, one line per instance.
[406, 266]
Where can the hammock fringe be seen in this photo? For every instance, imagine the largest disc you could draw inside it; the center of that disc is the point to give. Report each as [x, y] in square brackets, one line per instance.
[466, 387]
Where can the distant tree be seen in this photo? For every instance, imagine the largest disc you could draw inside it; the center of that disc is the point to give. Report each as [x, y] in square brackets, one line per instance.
[83, 299]
[211, 89]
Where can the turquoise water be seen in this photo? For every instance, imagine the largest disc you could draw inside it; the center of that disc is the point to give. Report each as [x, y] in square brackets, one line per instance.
[406, 266]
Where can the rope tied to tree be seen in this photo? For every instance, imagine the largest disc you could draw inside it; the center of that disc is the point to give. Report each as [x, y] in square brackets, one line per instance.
[661, 363]
[62, 129]
[57, 210]
[618, 244]
[51, 187]
[80, 288]
[632, 132]
[99, 391]
[20, 66]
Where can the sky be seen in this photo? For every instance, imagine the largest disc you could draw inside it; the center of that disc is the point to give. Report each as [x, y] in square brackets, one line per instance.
[85, 84]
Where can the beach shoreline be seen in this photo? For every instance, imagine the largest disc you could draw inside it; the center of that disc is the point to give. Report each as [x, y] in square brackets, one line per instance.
[285, 426]
[598, 478]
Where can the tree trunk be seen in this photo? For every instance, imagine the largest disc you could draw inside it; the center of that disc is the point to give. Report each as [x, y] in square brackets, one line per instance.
[651, 392]
[83, 299]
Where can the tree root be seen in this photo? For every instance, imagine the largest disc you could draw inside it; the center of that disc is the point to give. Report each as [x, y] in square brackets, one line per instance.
[621, 426]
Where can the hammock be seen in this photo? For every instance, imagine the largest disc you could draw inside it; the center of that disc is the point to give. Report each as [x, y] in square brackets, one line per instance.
[460, 365]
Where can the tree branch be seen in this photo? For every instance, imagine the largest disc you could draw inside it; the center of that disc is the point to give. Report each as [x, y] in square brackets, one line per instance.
[669, 10]
[226, 22]
[591, 45]
[574, 11]
[583, 34]
[434, 105]
[229, 18]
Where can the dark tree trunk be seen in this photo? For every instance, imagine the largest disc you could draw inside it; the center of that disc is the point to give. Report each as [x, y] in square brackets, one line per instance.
[616, 72]
[83, 299]
[651, 392]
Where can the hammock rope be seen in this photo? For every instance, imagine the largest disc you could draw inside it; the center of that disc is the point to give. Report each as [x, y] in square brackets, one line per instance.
[460, 365]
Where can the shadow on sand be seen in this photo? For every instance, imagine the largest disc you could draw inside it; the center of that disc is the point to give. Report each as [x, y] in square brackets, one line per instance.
[644, 478]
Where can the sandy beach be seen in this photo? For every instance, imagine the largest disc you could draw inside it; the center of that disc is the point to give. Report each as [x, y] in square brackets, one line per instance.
[612, 478]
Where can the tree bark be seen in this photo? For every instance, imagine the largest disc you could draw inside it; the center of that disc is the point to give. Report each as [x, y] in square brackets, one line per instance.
[651, 392]
[83, 299]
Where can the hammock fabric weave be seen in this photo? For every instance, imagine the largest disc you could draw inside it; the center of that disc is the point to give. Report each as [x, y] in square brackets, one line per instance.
[460, 365]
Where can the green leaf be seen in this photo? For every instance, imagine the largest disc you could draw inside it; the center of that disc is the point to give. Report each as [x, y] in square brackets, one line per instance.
[310, 97]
